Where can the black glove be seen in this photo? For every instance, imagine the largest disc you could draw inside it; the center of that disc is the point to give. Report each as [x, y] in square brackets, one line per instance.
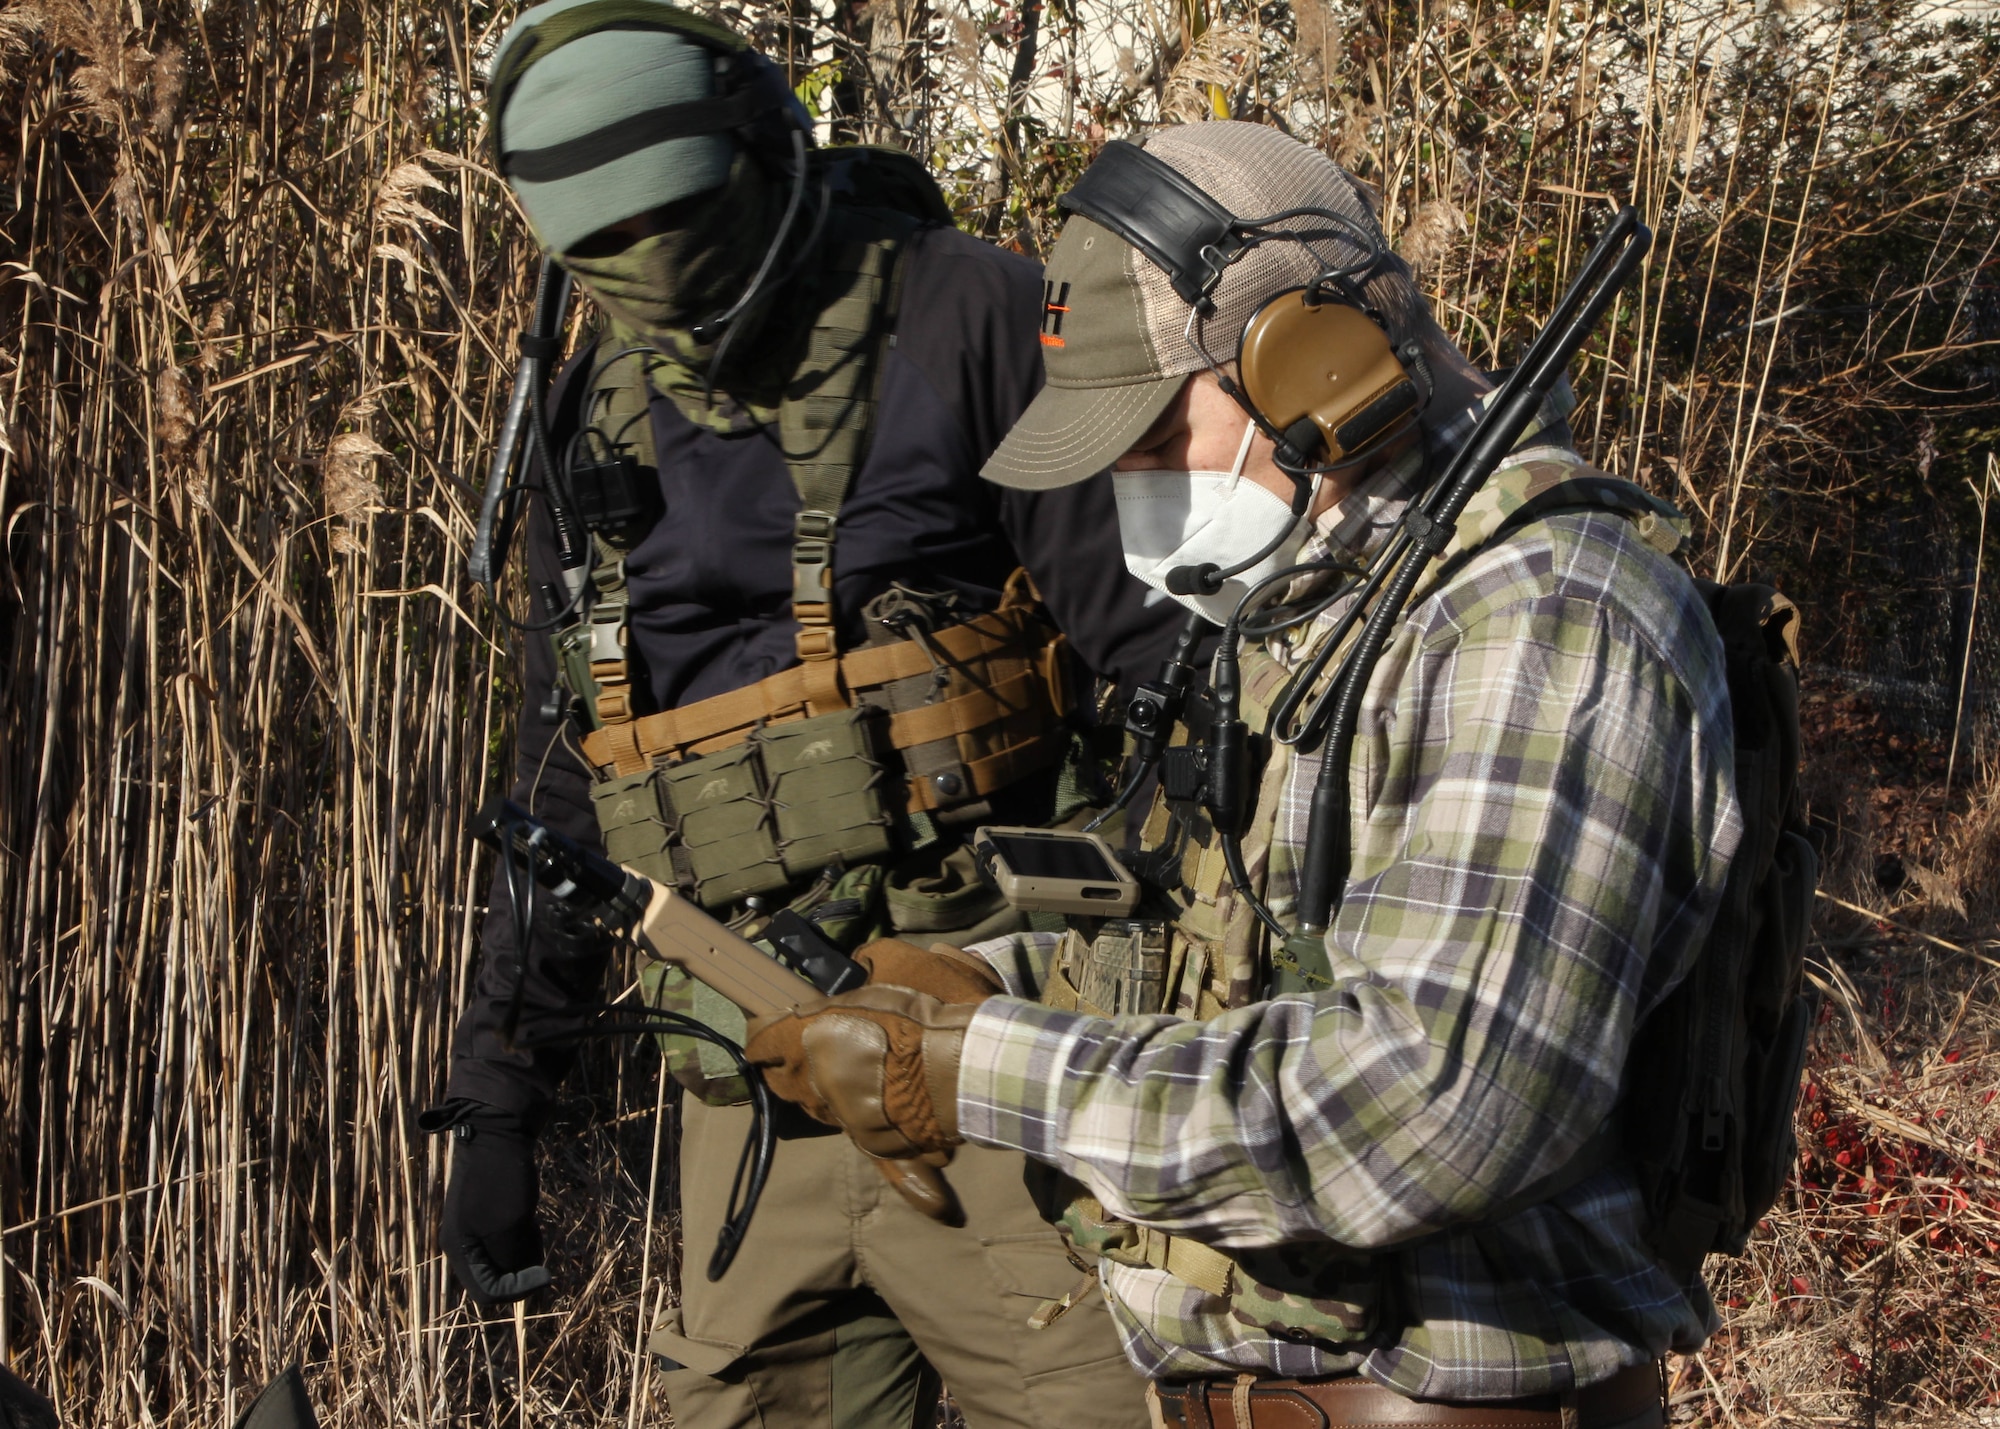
[490, 1238]
[22, 1407]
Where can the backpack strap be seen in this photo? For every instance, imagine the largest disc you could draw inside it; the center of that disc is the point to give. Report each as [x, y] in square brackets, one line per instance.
[1586, 489]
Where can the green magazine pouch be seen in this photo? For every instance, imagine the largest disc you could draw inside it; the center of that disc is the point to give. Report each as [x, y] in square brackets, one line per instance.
[637, 828]
[724, 825]
[776, 809]
[826, 777]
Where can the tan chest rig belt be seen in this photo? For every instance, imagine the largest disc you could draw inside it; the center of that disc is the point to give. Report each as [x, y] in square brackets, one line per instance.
[750, 791]
[845, 755]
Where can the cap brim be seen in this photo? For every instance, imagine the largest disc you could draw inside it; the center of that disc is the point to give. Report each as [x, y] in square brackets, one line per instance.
[1071, 433]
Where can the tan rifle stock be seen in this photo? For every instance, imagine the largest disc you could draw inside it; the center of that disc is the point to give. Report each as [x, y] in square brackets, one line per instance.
[675, 930]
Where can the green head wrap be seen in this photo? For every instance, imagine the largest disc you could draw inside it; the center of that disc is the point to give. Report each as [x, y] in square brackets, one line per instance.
[604, 110]
[594, 125]
[656, 289]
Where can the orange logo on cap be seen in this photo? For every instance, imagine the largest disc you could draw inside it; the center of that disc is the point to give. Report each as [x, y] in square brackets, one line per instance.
[1055, 302]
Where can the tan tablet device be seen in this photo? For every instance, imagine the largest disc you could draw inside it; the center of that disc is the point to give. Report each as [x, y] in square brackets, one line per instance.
[1047, 871]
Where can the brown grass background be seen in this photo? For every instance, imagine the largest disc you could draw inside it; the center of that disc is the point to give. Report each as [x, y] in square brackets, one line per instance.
[258, 289]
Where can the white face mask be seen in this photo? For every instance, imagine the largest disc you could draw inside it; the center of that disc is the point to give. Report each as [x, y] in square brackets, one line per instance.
[1169, 519]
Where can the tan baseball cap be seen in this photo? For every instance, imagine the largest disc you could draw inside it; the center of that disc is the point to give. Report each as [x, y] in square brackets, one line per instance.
[1114, 331]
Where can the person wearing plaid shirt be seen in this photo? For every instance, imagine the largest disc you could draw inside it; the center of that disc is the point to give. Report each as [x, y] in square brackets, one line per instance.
[1332, 1194]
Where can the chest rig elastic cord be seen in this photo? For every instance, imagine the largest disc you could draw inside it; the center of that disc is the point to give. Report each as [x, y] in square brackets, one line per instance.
[824, 422]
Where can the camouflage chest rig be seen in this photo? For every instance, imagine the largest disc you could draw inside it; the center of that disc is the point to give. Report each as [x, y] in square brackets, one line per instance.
[830, 785]
[1704, 1123]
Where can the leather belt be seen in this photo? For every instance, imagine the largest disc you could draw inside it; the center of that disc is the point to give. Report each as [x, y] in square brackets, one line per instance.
[1629, 1399]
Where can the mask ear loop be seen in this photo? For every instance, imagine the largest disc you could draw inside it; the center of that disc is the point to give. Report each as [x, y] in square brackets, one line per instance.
[1303, 492]
[1207, 578]
[1242, 455]
[1227, 383]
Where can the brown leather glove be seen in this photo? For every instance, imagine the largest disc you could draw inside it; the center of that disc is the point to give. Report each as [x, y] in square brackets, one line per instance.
[946, 973]
[880, 1063]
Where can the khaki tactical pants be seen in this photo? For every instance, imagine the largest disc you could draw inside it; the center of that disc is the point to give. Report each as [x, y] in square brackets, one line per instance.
[843, 1298]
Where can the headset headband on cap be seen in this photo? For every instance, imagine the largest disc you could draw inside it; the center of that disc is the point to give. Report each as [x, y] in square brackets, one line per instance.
[1188, 235]
[1158, 210]
[1342, 408]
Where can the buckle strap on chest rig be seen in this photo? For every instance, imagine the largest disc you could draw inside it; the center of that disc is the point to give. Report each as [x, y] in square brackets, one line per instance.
[618, 500]
[824, 424]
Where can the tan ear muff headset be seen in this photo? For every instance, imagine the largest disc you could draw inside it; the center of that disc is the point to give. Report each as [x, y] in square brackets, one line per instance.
[1318, 373]
[1321, 372]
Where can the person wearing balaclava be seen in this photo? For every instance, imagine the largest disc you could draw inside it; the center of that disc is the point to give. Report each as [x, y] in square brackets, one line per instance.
[751, 299]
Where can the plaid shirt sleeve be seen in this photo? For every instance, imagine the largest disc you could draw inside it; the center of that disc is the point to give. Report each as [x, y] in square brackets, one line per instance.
[1020, 960]
[1544, 816]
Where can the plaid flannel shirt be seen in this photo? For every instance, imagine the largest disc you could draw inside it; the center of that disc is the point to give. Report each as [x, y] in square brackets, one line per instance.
[1544, 811]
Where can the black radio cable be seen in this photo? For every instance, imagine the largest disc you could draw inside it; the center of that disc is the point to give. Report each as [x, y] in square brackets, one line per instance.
[1152, 712]
[1279, 725]
[1427, 530]
[1229, 804]
[753, 1166]
[1226, 773]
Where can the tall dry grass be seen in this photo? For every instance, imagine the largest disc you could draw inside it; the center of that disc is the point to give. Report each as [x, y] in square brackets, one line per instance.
[257, 297]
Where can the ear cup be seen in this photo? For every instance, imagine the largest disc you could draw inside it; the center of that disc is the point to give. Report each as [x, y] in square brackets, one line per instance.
[1323, 374]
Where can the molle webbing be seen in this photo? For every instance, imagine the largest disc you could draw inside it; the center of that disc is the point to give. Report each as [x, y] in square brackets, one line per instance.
[1085, 1223]
[824, 423]
[1202, 1266]
[1005, 727]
